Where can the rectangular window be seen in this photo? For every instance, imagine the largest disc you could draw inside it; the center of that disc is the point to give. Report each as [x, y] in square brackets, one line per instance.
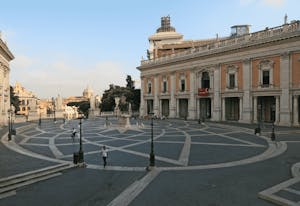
[266, 78]
[231, 81]
[164, 87]
[149, 88]
[182, 83]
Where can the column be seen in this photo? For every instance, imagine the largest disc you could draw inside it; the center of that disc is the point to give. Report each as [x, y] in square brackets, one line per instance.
[172, 94]
[241, 109]
[296, 111]
[223, 109]
[156, 100]
[191, 103]
[198, 108]
[142, 104]
[277, 111]
[177, 108]
[285, 110]
[247, 101]
[216, 109]
[255, 109]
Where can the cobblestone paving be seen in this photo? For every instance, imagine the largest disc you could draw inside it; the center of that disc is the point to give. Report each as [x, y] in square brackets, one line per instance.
[178, 146]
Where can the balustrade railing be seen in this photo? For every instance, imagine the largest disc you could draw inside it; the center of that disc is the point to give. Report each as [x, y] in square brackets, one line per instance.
[231, 41]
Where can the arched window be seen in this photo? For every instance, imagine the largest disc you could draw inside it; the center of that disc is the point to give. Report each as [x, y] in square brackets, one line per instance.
[164, 85]
[232, 77]
[182, 82]
[265, 74]
[205, 80]
[149, 87]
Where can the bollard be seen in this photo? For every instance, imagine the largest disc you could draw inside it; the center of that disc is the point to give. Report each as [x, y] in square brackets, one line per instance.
[257, 130]
[273, 133]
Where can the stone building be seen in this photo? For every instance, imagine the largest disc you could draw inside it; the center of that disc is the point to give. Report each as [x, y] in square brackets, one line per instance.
[5, 57]
[245, 77]
[28, 101]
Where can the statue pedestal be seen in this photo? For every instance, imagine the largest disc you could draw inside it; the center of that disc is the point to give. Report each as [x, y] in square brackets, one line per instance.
[123, 121]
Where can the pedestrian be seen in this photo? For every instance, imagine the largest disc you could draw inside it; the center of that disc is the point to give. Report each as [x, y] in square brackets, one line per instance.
[73, 134]
[104, 155]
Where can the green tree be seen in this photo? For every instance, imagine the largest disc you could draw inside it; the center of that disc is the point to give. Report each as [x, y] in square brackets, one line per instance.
[14, 100]
[83, 106]
[132, 96]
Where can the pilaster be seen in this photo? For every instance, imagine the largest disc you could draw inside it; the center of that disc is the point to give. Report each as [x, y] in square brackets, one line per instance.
[172, 96]
[156, 100]
[255, 109]
[142, 104]
[216, 109]
[247, 100]
[296, 111]
[285, 110]
[191, 104]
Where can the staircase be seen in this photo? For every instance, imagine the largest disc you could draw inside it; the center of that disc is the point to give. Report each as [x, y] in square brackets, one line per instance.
[9, 185]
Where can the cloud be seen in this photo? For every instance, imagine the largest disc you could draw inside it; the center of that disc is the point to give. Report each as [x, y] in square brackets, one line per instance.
[68, 80]
[246, 2]
[273, 3]
[22, 62]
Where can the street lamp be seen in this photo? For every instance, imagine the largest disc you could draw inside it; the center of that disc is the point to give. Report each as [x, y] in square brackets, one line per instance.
[40, 119]
[273, 132]
[53, 103]
[80, 153]
[152, 156]
[9, 124]
[10, 112]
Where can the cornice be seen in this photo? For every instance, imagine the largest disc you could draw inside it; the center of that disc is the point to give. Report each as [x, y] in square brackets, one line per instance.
[4, 51]
[219, 51]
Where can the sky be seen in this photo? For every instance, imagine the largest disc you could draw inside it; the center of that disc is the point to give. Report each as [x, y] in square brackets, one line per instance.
[63, 46]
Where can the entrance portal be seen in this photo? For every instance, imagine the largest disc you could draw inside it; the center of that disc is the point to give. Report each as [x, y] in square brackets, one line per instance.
[149, 106]
[165, 107]
[183, 108]
[232, 108]
[266, 109]
[205, 108]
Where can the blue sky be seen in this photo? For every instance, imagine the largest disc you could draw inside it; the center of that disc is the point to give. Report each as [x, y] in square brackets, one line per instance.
[62, 46]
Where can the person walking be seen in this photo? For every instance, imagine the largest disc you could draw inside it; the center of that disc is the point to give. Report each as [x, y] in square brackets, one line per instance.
[73, 134]
[104, 155]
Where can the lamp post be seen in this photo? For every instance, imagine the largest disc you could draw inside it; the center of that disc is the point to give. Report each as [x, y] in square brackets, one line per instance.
[53, 103]
[273, 132]
[40, 119]
[9, 124]
[10, 112]
[80, 153]
[152, 156]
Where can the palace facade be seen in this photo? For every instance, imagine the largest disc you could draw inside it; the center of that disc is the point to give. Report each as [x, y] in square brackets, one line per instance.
[245, 77]
[28, 100]
[5, 57]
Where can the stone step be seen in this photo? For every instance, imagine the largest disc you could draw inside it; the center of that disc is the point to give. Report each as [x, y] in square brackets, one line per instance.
[14, 182]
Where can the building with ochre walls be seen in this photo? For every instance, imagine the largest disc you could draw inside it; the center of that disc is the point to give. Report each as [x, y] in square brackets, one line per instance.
[245, 77]
[5, 57]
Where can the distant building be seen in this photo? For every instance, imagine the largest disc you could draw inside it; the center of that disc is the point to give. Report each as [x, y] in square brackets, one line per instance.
[245, 77]
[71, 112]
[88, 92]
[5, 57]
[28, 101]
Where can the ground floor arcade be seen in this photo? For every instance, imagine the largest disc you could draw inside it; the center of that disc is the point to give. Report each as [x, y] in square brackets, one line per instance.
[258, 108]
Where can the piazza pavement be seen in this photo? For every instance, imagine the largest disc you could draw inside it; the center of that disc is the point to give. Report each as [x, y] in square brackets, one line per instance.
[212, 164]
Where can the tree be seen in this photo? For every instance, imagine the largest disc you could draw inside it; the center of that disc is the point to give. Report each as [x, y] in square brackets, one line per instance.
[14, 100]
[132, 96]
[83, 106]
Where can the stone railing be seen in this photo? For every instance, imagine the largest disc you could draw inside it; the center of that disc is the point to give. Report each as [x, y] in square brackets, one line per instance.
[231, 41]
